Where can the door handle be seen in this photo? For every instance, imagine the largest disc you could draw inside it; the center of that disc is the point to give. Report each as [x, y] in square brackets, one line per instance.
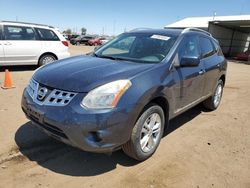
[201, 72]
[7, 43]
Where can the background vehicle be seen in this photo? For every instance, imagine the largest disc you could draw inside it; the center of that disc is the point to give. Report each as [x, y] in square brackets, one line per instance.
[127, 91]
[83, 39]
[106, 39]
[72, 36]
[30, 44]
[244, 56]
[96, 41]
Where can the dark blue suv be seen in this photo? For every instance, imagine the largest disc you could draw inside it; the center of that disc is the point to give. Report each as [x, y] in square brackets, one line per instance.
[124, 94]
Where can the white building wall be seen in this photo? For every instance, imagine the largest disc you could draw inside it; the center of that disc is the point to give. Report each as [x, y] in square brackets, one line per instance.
[231, 41]
[239, 43]
[223, 35]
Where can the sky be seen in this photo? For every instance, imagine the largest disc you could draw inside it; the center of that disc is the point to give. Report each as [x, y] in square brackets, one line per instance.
[115, 16]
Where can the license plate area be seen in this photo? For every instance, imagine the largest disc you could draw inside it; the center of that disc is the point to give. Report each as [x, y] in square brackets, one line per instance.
[35, 114]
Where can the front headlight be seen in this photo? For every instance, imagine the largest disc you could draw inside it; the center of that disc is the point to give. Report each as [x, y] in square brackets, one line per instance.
[107, 95]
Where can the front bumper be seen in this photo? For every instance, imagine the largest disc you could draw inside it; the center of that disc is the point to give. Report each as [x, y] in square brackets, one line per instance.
[89, 130]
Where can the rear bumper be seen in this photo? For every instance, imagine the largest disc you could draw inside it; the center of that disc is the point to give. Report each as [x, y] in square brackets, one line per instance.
[102, 131]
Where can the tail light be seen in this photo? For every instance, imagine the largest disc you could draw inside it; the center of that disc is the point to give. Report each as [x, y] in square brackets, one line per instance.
[65, 43]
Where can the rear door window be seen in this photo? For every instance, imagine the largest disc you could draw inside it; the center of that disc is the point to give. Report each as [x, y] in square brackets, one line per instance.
[18, 33]
[47, 35]
[207, 48]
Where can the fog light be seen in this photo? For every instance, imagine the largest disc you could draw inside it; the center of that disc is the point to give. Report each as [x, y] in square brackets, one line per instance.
[95, 136]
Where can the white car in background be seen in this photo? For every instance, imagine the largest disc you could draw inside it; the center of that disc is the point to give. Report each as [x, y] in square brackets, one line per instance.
[30, 44]
[106, 39]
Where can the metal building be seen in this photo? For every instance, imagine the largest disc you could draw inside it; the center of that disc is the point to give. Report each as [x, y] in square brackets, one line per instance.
[233, 32]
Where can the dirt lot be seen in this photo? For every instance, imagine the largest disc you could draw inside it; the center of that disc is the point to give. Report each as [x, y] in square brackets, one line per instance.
[201, 149]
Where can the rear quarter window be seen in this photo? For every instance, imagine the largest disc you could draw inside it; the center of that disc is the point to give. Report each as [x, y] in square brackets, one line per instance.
[217, 47]
[47, 35]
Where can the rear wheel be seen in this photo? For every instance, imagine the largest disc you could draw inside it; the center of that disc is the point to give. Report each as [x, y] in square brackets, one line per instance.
[146, 134]
[213, 102]
[45, 59]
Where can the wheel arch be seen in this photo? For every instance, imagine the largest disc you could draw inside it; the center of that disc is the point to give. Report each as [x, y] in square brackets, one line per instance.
[158, 100]
[223, 78]
[163, 103]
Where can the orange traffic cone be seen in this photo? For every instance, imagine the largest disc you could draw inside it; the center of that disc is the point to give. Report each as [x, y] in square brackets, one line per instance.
[7, 80]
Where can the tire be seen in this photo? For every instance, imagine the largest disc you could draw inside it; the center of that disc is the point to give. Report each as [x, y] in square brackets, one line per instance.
[45, 59]
[143, 141]
[213, 102]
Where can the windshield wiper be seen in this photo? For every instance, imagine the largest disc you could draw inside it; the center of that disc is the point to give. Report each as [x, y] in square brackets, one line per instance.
[111, 57]
[122, 59]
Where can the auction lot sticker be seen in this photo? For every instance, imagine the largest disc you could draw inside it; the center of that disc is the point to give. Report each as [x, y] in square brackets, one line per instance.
[160, 37]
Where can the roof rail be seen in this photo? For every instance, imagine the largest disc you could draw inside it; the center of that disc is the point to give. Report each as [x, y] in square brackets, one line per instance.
[196, 29]
[27, 23]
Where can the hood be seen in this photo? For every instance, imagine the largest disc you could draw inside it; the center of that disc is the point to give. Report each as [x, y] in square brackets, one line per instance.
[83, 73]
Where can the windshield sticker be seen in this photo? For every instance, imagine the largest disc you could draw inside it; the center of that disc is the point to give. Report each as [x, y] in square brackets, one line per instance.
[160, 37]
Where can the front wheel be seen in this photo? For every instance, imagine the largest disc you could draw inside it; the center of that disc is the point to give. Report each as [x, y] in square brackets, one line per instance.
[213, 102]
[45, 59]
[146, 134]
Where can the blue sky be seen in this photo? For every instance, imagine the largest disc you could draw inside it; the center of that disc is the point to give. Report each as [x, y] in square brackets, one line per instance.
[114, 16]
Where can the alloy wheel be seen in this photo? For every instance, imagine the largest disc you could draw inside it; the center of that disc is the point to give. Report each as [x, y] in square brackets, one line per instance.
[217, 95]
[150, 133]
[48, 59]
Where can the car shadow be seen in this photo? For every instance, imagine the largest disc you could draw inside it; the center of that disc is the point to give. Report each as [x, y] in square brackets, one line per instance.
[19, 68]
[180, 120]
[63, 159]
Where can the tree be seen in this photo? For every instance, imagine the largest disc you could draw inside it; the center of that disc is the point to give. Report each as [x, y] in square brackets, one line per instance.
[68, 31]
[84, 31]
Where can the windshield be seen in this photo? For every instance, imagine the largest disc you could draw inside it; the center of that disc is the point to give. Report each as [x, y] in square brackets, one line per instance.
[145, 48]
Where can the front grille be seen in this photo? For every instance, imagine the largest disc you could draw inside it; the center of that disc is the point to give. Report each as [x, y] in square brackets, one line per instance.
[48, 96]
[60, 98]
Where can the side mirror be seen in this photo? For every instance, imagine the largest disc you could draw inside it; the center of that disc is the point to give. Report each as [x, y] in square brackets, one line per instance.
[189, 61]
